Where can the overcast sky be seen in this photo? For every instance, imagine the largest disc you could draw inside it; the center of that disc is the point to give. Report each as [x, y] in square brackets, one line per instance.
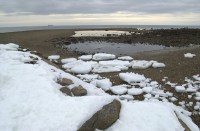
[87, 12]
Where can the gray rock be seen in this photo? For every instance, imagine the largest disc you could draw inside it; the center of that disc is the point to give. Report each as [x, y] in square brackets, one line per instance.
[79, 91]
[104, 118]
[66, 90]
[65, 82]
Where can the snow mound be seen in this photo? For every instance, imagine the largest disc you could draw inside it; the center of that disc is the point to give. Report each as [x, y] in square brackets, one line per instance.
[147, 89]
[9, 47]
[68, 60]
[85, 57]
[103, 56]
[53, 57]
[141, 64]
[146, 116]
[131, 77]
[125, 58]
[99, 33]
[119, 90]
[30, 97]
[189, 55]
[83, 68]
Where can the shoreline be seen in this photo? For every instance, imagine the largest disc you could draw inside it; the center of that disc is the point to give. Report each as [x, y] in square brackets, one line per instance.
[49, 42]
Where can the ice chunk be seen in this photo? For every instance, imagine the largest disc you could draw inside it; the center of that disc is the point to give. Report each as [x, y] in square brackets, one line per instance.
[102, 69]
[158, 65]
[125, 58]
[104, 84]
[180, 89]
[83, 68]
[53, 57]
[103, 56]
[147, 89]
[115, 63]
[189, 55]
[131, 77]
[135, 91]
[141, 64]
[119, 90]
[85, 57]
[68, 60]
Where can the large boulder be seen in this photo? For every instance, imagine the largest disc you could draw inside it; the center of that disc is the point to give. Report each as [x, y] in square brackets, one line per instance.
[66, 91]
[65, 82]
[79, 91]
[104, 118]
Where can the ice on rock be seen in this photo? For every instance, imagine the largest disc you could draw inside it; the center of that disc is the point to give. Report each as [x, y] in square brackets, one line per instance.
[85, 57]
[83, 68]
[131, 77]
[125, 58]
[189, 55]
[147, 89]
[68, 60]
[158, 65]
[135, 91]
[104, 84]
[103, 56]
[53, 57]
[119, 89]
[141, 64]
[180, 89]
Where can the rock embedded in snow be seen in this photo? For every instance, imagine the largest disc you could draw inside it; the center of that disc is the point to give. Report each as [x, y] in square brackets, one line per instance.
[131, 77]
[85, 57]
[79, 91]
[103, 56]
[65, 82]
[104, 84]
[119, 90]
[189, 55]
[84, 68]
[66, 91]
[158, 65]
[180, 89]
[104, 118]
[68, 60]
[135, 91]
[128, 58]
[53, 57]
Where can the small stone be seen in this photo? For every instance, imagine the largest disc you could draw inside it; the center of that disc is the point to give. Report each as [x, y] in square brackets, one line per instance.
[79, 91]
[66, 82]
[66, 90]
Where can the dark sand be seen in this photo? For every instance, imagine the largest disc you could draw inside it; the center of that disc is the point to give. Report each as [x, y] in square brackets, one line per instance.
[49, 42]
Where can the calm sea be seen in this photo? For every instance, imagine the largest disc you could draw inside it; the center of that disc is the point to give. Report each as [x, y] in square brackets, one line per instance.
[28, 28]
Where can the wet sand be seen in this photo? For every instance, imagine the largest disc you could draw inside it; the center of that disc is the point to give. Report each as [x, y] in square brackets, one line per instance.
[177, 67]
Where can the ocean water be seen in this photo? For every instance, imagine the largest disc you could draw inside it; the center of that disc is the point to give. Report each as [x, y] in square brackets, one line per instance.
[113, 48]
[29, 28]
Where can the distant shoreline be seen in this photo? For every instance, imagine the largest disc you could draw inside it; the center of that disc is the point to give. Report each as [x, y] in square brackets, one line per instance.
[54, 27]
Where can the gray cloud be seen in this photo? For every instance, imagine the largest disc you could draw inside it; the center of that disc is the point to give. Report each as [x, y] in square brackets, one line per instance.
[45, 7]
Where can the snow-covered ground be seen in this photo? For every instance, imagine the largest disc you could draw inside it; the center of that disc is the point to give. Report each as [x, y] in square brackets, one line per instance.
[100, 33]
[30, 98]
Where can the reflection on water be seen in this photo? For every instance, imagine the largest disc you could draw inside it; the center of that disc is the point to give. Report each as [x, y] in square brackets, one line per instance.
[114, 48]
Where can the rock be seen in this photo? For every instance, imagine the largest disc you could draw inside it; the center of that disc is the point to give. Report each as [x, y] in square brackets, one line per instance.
[104, 118]
[79, 91]
[66, 90]
[66, 82]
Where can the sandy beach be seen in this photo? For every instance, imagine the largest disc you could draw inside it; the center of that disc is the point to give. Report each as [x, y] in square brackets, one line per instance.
[48, 42]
